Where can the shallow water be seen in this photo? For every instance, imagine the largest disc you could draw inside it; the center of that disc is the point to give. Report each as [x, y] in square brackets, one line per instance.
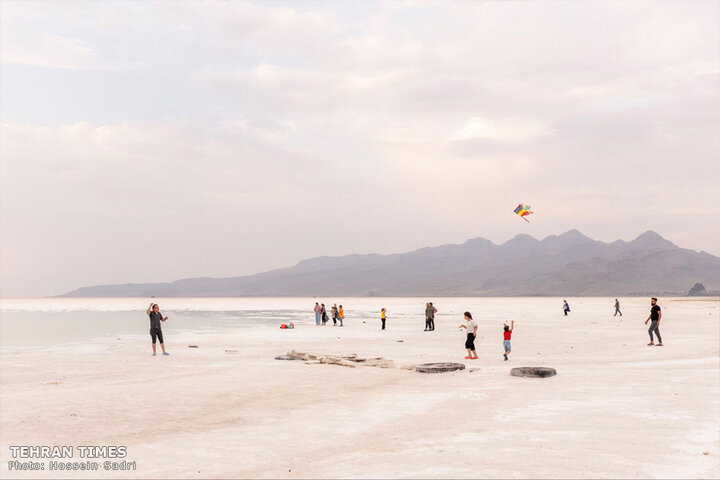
[49, 321]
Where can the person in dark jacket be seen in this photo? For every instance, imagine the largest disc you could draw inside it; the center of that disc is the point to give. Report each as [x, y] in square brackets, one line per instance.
[566, 307]
[323, 313]
[156, 317]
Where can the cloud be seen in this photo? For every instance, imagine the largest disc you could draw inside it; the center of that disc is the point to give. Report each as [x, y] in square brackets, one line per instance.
[218, 138]
[51, 51]
[502, 130]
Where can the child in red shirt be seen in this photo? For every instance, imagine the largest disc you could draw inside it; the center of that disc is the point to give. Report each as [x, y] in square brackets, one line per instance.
[507, 333]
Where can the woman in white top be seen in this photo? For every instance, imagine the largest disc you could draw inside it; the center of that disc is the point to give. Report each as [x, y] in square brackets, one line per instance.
[471, 328]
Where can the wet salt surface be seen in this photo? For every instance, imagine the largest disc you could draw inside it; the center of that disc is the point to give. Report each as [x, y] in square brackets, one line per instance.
[49, 321]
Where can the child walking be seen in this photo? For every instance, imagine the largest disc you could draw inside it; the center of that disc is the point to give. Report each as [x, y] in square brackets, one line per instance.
[507, 334]
[471, 326]
[383, 317]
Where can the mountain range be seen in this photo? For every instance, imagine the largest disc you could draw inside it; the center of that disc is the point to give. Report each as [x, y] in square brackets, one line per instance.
[570, 264]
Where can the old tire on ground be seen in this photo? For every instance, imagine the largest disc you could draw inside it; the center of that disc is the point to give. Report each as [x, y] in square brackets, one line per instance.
[281, 357]
[540, 372]
[439, 367]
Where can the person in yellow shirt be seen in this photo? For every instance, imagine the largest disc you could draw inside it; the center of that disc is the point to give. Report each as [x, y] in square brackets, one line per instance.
[341, 315]
[383, 317]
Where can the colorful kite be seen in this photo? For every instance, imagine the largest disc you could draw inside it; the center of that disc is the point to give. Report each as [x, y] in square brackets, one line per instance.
[522, 210]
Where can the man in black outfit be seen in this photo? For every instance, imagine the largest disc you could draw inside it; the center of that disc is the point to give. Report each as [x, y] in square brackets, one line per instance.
[155, 329]
[654, 319]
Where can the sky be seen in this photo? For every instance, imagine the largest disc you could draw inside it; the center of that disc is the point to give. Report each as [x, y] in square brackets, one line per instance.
[148, 142]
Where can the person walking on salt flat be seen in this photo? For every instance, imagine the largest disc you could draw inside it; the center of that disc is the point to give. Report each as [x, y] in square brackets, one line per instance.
[566, 307]
[471, 326]
[654, 319]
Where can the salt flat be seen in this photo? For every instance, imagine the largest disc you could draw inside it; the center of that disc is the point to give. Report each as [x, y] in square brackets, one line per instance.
[617, 408]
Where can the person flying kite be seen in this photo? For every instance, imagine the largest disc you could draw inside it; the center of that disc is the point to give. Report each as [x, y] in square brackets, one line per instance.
[522, 210]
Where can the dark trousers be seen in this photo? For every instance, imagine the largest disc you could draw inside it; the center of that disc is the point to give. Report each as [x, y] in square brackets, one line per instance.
[617, 310]
[654, 328]
[565, 312]
[431, 323]
[383, 323]
[470, 341]
[156, 333]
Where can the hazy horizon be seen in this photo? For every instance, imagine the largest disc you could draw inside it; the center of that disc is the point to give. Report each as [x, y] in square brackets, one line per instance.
[60, 294]
[154, 141]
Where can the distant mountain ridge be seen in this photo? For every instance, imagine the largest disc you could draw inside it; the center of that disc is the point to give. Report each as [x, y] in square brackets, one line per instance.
[570, 264]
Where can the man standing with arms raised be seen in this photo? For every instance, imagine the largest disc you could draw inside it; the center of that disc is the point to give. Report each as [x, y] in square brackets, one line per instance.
[155, 329]
[654, 319]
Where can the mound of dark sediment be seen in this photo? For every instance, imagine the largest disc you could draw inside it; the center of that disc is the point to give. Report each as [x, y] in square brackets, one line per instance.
[540, 372]
[439, 367]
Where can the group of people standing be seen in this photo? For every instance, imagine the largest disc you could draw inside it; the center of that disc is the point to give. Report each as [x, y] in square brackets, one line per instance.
[321, 315]
[338, 316]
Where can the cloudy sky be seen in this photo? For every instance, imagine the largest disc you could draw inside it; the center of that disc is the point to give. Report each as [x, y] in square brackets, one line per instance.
[148, 142]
